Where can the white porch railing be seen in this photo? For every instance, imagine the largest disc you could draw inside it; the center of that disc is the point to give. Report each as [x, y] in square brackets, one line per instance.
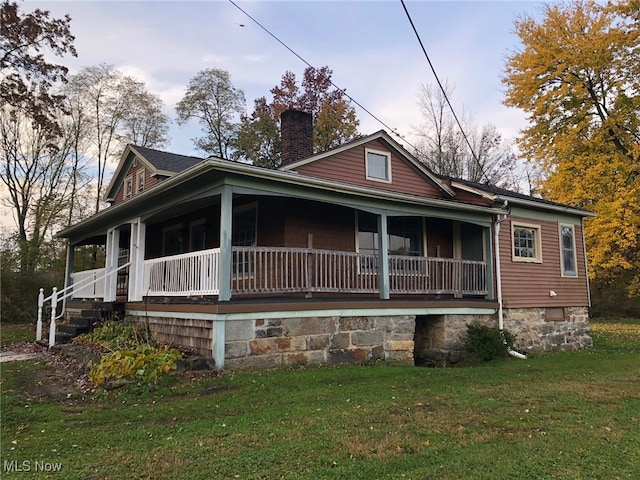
[188, 274]
[88, 283]
[261, 270]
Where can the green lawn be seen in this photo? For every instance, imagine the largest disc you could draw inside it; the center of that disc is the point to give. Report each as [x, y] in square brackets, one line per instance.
[573, 415]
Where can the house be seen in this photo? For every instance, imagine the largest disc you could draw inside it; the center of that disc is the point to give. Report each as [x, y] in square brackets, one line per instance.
[356, 254]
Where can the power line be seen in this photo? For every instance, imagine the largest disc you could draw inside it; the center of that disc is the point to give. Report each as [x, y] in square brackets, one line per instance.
[444, 93]
[344, 92]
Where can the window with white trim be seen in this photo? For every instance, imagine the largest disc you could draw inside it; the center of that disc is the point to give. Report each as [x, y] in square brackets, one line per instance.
[378, 165]
[128, 187]
[568, 251]
[140, 181]
[526, 242]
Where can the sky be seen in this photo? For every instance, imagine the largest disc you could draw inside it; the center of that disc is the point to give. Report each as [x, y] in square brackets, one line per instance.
[370, 46]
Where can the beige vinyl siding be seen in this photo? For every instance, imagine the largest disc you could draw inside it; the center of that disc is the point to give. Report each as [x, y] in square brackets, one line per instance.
[528, 284]
[349, 166]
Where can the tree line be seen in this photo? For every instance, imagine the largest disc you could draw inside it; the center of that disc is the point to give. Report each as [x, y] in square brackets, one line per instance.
[576, 76]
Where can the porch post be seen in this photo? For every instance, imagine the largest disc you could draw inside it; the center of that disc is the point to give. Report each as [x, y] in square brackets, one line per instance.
[136, 256]
[226, 219]
[219, 326]
[111, 263]
[383, 255]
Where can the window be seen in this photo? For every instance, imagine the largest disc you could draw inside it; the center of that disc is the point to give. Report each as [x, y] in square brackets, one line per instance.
[244, 235]
[404, 236]
[568, 251]
[140, 181]
[173, 240]
[197, 235]
[378, 165]
[128, 187]
[526, 243]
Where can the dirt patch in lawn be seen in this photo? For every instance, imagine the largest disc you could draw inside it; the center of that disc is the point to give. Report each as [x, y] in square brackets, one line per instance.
[64, 379]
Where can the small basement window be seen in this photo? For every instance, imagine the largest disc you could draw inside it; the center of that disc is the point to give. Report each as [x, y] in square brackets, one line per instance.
[554, 314]
[378, 165]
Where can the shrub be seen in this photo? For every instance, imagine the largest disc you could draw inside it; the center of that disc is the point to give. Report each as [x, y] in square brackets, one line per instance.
[145, 363]
[118, 335]
[487, 343]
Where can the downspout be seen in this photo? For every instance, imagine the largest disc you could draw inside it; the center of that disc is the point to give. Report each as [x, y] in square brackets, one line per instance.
[499, 220]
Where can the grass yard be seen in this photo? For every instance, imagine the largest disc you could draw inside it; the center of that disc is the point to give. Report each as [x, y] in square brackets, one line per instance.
[573, 415]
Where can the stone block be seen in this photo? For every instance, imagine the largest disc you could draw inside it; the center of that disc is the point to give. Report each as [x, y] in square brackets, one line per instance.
[355, 323]
[236, 349]
[402, 357]
[341, 340]
[349, 355]
[303, 358]
[400, 345]
[239, 330]
[309, 326]
[318, 342]
[366, 338]
[254, 361]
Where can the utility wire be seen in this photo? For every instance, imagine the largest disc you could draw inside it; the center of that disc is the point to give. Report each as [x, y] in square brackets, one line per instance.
[343, 90]
[444, 93]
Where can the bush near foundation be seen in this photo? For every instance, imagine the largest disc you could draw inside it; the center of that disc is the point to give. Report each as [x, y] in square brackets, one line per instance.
[487, 343]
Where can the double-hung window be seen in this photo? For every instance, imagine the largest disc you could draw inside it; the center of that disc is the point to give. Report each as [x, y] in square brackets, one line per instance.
[526, 245]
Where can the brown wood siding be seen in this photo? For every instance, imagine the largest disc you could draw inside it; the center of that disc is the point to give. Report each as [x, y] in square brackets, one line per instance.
[332, 227]
[349, 167]
[439, 238]
[149, 181]
[527, 284]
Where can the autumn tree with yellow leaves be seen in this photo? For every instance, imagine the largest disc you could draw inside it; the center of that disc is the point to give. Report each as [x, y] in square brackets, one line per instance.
[577, 76]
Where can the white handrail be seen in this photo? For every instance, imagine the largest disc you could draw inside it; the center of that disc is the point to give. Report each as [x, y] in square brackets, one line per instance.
[55, 296]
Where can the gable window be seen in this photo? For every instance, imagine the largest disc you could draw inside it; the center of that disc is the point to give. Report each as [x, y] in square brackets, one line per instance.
[140, 181]
[568, 251]
[378, 165]
[526, 243]
[128, 187]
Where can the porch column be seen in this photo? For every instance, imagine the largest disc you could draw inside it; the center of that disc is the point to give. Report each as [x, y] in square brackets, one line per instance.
[219, 334]
[383, 249]
[111, 264]
[226, 220]
[136, 257]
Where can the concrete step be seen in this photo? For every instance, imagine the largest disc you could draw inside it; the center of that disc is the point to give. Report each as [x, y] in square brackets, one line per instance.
[73, 329]
[62, 337]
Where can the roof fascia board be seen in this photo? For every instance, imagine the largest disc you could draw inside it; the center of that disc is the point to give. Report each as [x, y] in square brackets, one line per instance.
[470, 189]
[533, 205]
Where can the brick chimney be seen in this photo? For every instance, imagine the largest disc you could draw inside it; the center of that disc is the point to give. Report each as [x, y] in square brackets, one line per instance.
[296, 132]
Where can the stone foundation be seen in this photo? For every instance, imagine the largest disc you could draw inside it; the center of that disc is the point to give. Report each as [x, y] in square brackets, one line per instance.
[535, 333]
[305, 341]
[433, 340]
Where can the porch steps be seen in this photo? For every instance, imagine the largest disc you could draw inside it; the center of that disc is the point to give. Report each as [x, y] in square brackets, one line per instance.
[87, 318]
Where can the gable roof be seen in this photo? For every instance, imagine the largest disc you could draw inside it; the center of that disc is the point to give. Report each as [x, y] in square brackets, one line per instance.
[159, 163]
[383, 136]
